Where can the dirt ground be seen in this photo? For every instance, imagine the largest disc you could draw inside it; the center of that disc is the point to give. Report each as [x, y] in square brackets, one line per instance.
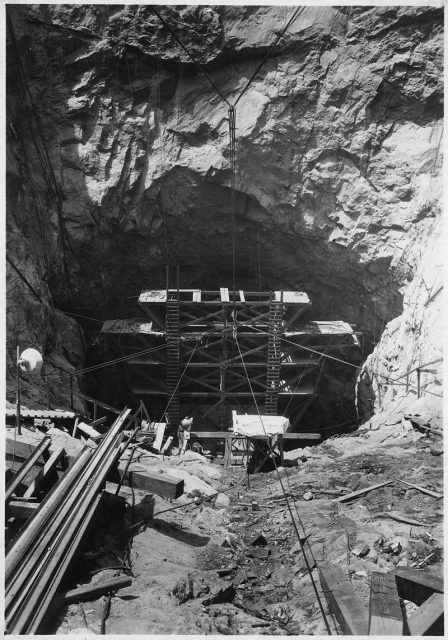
[196, 569]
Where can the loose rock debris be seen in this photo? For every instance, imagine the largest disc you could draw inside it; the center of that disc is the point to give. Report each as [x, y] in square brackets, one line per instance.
[225, 558]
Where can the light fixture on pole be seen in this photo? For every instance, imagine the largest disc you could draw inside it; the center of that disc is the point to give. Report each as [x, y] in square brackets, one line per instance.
[30, 362]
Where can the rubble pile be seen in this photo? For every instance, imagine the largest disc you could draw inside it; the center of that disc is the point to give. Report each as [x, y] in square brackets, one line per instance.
[226, 557]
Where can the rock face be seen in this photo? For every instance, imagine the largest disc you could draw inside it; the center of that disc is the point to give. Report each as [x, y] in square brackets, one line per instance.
[118, 163]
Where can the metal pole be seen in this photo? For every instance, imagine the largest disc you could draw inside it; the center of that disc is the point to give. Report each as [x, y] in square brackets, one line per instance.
[18, 428]
[418, 382]
[47, 384]
[71, 392]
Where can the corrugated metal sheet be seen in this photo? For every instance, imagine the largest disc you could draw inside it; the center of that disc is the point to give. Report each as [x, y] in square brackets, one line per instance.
[42, 413]
[127, 326]
[335, 327]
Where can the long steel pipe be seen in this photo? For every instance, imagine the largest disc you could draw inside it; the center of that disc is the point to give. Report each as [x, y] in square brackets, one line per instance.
[26, 589]
[39, 547]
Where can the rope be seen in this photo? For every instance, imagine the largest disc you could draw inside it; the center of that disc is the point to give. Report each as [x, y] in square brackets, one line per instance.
[180, 379]
[355, 366]
[190, 55]
[268, 53]
[271, 454]
[232, 149]
[24, 279]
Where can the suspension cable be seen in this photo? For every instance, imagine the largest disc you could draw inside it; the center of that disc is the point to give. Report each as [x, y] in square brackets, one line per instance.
[271, 454]
[22, 277]
[232, 135]
[268, 53]
[190, 55]
[180, 378]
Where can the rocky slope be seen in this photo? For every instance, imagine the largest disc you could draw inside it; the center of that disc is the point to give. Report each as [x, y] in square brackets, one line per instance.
[119, 164]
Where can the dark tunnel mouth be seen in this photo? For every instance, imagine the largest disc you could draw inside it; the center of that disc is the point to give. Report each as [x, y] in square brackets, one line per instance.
[111, 385]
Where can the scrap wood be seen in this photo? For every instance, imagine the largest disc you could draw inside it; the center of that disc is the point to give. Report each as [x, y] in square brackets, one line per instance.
[416, 586]
[49, 469]
[26, 467]
[89, 431]
[422, 489]
[360, 492]
[399, 518]
[343, 601]
[419, 423]
[93, 591]
[166, 445]
[385, 616]
[21, 509]
[428, 619]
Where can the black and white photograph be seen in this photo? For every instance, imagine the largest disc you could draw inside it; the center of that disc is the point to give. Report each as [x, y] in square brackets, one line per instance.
[224, 264]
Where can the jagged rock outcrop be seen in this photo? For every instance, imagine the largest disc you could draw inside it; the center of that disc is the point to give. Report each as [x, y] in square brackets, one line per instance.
[338, 157]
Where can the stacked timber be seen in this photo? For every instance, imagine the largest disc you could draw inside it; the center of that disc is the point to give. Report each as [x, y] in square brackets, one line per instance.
[41, 553]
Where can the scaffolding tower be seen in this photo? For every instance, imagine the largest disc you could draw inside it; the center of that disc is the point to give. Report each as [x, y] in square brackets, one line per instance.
[208, 352]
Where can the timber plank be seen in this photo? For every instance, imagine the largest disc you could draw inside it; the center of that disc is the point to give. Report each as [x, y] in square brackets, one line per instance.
[20, 450]
[22, 509]
[287, 436]
[422, 489]
[360, 492]
[26, 467]
[88, 430]
[93, 591]
[428, 620]
[385, 616]
[416, 586]
[160, 483]
[343, 601]
[44, 474]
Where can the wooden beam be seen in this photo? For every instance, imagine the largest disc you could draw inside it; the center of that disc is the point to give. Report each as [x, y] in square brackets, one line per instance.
[343, 601]
[416, 586]
[360, 492]
[160, 483]
[303, 435]
[44, 475]
[26, 467]
[93, 591]
[89, 431]
[422, 489]
[287, 436]
[428, 620]
[21, 509]
[95, 423]
[385, 616]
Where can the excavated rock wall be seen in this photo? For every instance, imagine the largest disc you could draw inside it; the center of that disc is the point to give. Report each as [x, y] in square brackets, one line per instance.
[338, 154]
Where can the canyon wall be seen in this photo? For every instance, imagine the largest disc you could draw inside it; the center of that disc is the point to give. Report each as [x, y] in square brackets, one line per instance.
[118, 163]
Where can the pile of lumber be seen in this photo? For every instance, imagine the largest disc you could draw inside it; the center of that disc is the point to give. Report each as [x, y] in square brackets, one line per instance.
[40, 555]
[385, 615]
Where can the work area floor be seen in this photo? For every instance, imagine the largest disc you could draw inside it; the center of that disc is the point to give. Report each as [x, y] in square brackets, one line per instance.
[233, 565]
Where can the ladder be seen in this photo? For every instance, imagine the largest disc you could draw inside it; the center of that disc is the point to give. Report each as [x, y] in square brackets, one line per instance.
[173, 356]
[276, 311]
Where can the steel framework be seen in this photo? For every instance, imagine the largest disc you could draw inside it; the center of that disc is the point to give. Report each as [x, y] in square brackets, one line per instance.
[203, 347]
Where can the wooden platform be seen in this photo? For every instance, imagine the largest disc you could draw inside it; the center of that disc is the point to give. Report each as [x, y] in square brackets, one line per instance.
[221, 435]
[224, 295]
[221, 350]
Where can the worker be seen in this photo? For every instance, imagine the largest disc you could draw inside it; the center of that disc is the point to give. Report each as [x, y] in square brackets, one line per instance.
[183, 433]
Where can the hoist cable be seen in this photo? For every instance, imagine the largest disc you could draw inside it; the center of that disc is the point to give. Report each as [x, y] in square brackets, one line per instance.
[232, 136]
[271, 455]
[190, 55]
[24, 279]
[268, 53]
[179, 380]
